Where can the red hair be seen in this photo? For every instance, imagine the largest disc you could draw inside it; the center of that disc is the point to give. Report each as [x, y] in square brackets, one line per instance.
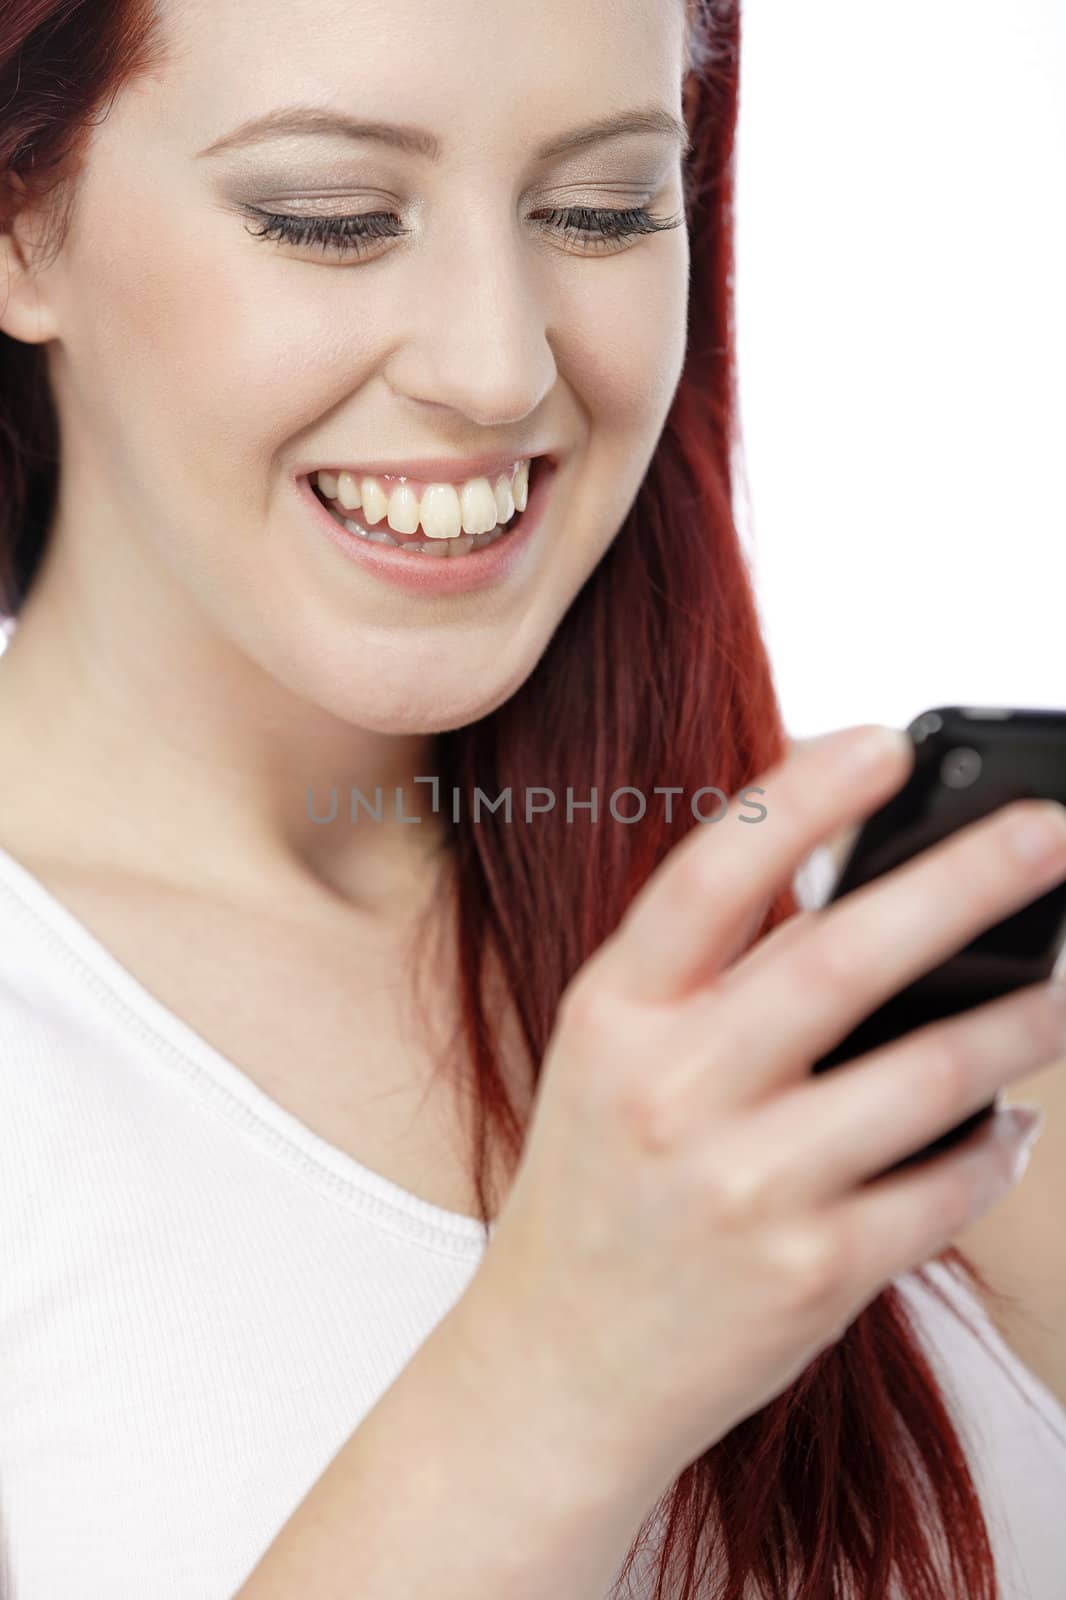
[658, 673]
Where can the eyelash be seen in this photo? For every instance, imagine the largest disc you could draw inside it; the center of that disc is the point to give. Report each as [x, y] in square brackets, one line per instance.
[350, 234]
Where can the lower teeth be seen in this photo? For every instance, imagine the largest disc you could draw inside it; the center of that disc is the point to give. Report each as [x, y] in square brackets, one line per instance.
[447, 549]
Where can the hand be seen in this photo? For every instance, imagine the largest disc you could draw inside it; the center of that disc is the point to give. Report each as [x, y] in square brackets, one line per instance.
[695, 1216]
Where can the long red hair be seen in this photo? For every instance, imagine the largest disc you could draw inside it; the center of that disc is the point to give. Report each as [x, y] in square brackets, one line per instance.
[658, 674]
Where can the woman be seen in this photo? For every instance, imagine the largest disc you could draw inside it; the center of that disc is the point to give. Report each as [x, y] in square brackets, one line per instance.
[269, 1058]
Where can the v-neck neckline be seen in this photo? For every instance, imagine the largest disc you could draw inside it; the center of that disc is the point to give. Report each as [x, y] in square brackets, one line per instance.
[134, 1011]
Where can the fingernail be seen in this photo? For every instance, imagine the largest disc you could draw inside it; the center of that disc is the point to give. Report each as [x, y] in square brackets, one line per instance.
[1027, 1121]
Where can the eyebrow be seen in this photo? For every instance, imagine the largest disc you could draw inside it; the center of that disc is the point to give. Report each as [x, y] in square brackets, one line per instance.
[419, 142]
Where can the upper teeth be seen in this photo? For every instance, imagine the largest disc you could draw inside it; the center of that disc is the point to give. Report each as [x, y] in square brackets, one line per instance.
[444, 510]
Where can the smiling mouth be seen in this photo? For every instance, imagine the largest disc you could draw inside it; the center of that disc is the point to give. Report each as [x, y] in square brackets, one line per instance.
[450, 547]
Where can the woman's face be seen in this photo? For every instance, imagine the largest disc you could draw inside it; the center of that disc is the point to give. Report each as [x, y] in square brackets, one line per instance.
[201, 373]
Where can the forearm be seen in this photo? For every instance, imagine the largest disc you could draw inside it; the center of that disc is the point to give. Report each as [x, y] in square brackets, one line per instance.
[463, 1483]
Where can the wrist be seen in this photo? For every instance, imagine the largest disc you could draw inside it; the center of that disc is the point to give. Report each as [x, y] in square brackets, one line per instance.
[571, 1441]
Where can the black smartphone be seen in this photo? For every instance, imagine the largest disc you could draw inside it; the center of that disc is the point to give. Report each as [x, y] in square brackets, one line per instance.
[969, 760]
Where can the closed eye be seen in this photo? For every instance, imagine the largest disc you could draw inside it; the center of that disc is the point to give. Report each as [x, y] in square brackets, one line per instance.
[594, 227]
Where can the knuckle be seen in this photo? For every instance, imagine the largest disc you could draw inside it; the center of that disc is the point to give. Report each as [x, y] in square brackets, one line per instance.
[813, 1264]
[832, 959]
[740, 1193]
[944, 1072]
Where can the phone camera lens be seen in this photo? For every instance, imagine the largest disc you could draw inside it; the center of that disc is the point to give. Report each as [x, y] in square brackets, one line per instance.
[960, 768]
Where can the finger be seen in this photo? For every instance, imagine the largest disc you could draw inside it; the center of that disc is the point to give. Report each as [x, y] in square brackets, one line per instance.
[693, 914]
[778, 1017]
[904, 1219]
[769, 948]
[856, 1121]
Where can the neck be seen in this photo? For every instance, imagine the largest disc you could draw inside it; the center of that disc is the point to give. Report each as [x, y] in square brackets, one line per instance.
[182, 759]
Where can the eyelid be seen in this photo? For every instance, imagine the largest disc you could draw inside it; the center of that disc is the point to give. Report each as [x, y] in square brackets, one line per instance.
[625, 191]
[348, 239]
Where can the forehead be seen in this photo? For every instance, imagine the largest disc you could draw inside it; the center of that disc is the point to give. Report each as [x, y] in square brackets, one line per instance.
[469, 68]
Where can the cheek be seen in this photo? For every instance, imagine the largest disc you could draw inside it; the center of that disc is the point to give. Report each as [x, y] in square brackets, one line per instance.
[621, 350]
[212, 351]
[624, 337]
[163, 329]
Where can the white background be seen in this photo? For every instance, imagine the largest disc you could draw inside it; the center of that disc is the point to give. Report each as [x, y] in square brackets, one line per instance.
[901, 279]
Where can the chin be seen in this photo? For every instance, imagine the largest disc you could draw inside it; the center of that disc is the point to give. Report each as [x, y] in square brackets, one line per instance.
[411, 711]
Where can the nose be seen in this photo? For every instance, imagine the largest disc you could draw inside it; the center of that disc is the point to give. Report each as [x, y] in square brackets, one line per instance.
[477, 340]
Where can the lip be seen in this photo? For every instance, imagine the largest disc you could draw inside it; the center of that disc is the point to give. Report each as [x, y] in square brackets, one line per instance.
[440, 575]
[434, 469]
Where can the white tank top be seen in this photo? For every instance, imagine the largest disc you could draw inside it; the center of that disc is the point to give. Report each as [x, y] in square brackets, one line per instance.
[200, 1299]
